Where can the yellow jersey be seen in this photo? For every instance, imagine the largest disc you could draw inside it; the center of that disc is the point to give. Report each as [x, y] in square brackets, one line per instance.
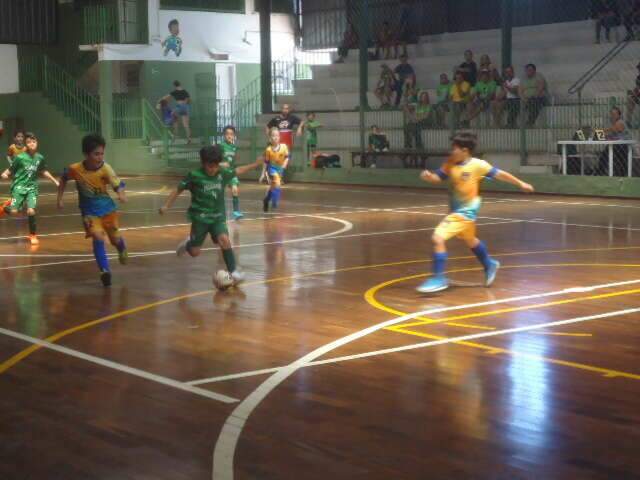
[276, 157]
[92, 186]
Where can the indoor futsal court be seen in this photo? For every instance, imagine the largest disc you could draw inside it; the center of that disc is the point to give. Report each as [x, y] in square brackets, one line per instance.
[325, 363]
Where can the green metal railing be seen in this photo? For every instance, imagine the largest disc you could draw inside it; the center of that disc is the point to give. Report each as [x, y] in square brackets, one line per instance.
[240, 111]
[127, 116]
[153, 130]
[42, 74]
[123, 22]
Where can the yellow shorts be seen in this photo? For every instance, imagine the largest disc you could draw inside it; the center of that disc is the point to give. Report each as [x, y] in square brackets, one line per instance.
[456, 225]
[107, 224]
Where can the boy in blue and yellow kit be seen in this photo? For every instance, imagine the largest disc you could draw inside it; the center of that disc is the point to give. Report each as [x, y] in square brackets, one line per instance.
[464, 174]
[276, 159]
[98, 210]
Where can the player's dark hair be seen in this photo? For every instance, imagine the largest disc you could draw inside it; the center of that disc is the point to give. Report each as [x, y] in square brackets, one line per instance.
[173, 22]
[310, 113]
[211, 155]
[30, 136]
[617, 110]
[17, 132]
[176, 83]
[91, 142]
[466, 140]
[229, 127]
[530, 65]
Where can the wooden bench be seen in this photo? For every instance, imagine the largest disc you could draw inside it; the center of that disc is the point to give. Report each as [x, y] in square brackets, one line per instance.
[399, 158]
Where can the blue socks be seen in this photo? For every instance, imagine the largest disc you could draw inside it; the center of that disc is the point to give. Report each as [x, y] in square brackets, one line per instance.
[275, 197]
[121, 246]
[483, 255]
[269, 195]
[101, 255]
[439, 262]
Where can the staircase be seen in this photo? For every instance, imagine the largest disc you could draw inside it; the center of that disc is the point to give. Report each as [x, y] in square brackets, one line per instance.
[41, 74]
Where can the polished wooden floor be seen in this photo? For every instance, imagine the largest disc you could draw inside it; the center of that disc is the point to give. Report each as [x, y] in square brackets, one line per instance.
[297, 375]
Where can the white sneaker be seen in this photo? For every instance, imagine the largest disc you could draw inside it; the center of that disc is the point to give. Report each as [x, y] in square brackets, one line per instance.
[238, 277]
[182, 247]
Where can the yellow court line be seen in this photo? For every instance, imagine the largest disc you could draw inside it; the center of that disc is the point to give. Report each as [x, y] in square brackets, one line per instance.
[370, 297]
[556, 361]
[7, 364]
[524, 307]
[468, 325]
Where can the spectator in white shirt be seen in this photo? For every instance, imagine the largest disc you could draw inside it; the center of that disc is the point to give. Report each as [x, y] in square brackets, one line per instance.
[508, 97]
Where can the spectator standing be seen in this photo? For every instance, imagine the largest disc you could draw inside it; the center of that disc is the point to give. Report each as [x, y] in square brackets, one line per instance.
[385, 86]
[403, 73]
[418, 119]
[182, 108]
[310, 126]
[508, 97]
[533, 92]
[442, 100]
[350, 40]
[469, 68]
[459, 94]
[633, 97]
[605, 14]
[385, 42]
[616, 131]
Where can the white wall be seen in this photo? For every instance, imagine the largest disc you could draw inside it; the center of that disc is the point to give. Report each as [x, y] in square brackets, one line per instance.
[206, 34]
[9, 71]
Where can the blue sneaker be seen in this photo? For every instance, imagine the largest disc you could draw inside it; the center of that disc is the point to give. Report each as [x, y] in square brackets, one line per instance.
[491, 272]
[434, 284]
[237, 215]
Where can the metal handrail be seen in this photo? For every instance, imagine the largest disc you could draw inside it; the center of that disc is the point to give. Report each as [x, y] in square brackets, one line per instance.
[579, 85]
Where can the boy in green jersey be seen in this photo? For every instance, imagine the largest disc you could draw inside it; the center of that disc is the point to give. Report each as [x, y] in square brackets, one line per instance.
[229, 150]
[311, 126]
[24, 188]
[207, 211]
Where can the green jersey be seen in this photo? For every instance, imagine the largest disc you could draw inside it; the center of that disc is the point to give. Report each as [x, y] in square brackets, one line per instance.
[207, 194]
[442, 92]
[312, 132]
[25, 170]
[485, 90]
[229, 151]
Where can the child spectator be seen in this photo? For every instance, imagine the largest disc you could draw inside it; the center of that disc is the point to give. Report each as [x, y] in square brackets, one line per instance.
[311, 126]
[378, 141]
[459, 94]
[469, 68]
[419, 118]
[442, 100]
[384, 88]
[403, 72]
[482, 95]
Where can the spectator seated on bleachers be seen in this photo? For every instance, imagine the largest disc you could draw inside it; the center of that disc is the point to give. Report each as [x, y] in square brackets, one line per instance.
[618, 130]
[508, 96]
[442, 100]
[487, 64]
[482, 95]
[469, 68]
[349, 41]
[633, 98]
[378, 141]
[403, 72]
[385, 86]
[606, 14]
[533, 92]
[419, 117]
[460, 94]
[384, 42]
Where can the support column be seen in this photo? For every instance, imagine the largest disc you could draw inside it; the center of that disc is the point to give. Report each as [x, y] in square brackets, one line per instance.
[507, 37]
[363, 35]
[265, 56]
[105, 90]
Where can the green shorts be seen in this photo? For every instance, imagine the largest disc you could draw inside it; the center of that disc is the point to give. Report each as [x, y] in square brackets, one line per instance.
[200, 230]
[20, 198]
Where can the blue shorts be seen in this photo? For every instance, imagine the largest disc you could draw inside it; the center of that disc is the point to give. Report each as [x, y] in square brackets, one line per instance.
[183, 109]
[274, 170]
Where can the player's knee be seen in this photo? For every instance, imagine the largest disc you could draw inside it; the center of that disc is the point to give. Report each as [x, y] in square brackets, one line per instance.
[224, 242]
[31, 212]
[437, 240]
[194, 251]
[99, 236]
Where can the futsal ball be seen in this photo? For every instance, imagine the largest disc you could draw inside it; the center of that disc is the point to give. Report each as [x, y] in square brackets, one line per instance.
[222, 280]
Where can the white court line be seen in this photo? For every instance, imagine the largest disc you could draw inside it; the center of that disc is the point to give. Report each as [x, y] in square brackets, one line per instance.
[226, 444]
[120, 367]
[326, 236]
[521, 298]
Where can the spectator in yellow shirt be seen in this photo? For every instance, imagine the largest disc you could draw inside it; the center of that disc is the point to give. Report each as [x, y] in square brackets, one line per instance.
[460, 95]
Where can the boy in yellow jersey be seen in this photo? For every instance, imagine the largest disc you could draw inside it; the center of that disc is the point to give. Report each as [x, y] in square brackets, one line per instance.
[98, 210]
[17, 147]
[464, 174]
[276, 159]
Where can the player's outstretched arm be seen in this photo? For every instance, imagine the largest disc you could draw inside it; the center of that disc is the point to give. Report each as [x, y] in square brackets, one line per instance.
[170, 201]
[54, 180]
[251, 166]
[122, 194]
[61, 187]
[300, 129]
[6, 174]
[508, 178]
[430, 177]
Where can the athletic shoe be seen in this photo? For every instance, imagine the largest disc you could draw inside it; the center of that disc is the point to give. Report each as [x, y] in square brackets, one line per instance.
[123, 256]
[490, 273]
[237, 215]
[434, 284]
[182, 247]
[238, 277]
[4, 205]
[33, 239]
[105, 277]
[265, 205]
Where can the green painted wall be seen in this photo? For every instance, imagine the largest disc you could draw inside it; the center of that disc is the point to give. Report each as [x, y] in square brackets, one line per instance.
[245, 74]
[59, 138]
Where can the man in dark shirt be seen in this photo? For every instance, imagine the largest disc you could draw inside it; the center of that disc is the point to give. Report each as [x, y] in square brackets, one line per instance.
[469, 68]
[403, 73]
[287, 123]
[605, 13]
